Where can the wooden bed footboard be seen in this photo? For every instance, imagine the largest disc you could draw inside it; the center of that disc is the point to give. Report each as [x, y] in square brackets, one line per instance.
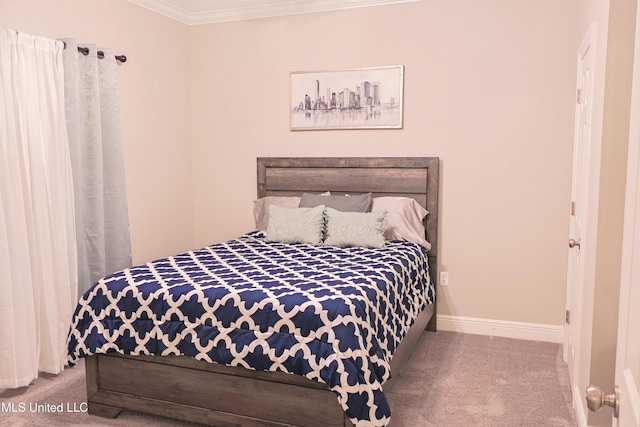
[183, 388]
[187, 389]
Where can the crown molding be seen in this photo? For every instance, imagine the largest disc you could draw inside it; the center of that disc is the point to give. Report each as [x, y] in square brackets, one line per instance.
[164, 8]
[273, 9]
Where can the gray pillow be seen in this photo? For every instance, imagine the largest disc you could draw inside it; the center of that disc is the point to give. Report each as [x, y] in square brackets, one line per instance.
[361, 203]
[296, 225]
[355, 228]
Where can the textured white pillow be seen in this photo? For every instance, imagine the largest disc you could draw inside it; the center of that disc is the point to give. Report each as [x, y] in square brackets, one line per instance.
[354, 228]
[261, 207]
[296, 225]
[403, 220]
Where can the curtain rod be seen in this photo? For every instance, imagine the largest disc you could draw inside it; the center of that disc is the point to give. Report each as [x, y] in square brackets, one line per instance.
[85, 51]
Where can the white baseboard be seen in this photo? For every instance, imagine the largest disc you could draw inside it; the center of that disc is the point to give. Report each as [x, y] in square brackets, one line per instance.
[578, 406]
[501, 328]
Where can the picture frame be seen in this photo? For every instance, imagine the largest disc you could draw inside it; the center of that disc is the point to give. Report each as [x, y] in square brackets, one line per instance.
[362, 98]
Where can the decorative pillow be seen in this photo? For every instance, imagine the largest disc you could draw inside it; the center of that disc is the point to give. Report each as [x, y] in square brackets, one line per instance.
[360, 203]
[403, 220]
[354, 228]
[261, 207]
[296, 225]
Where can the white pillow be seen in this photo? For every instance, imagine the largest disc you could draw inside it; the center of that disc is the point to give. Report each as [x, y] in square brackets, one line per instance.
[403, 220]
[297, 225]
[261, 207]
[354, 228]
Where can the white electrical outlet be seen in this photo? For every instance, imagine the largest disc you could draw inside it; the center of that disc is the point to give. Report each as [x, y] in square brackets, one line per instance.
[444, 278]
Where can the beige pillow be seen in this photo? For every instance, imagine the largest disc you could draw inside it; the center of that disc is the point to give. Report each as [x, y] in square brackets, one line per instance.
[403, 220]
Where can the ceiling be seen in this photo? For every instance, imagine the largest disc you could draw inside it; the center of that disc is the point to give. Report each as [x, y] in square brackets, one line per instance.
[194, 12]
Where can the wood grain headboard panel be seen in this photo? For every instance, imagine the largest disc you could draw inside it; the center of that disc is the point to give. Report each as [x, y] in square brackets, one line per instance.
[415, 177]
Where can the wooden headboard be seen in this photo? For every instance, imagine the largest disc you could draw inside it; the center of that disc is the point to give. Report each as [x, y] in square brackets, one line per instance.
[415, 177]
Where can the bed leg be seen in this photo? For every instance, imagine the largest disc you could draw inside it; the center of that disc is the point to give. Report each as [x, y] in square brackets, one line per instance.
[103, 411]
[431, 326]
[93, 385]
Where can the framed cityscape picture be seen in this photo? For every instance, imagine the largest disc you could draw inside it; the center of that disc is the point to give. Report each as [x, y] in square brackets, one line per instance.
[364, 98]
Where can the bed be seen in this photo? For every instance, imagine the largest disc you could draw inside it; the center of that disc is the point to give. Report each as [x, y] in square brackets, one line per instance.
[181, 387]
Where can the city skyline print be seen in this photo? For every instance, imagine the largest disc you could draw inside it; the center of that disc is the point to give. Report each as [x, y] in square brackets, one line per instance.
[364, 98]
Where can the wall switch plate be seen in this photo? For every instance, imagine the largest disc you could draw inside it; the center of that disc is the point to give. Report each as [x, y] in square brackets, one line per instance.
[444, 278]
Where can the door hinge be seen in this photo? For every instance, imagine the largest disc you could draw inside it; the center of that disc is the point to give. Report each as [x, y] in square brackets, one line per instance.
[579, 96]
[573, 208]
[567, 317]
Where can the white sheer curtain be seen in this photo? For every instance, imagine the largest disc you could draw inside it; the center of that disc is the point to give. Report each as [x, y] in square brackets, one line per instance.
[95, 140]
[38, 280]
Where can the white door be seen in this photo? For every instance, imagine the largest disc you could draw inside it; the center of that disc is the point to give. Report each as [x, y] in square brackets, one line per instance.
[626, 398]
[628, 349]
[582, 137]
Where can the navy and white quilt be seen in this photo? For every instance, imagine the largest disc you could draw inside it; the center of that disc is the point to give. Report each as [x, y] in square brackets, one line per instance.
[334, 315]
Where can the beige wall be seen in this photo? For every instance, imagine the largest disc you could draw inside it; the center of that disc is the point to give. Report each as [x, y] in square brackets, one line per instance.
[155, 107]
[489, 88]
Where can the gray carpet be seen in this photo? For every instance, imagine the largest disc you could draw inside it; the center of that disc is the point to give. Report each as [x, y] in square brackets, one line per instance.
[451, 380]
[463, 380]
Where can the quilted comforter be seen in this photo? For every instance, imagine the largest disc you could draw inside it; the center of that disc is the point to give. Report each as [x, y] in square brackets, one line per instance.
[334, 315]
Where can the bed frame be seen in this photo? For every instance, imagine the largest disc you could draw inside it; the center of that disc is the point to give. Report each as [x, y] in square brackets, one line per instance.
[184, 388]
